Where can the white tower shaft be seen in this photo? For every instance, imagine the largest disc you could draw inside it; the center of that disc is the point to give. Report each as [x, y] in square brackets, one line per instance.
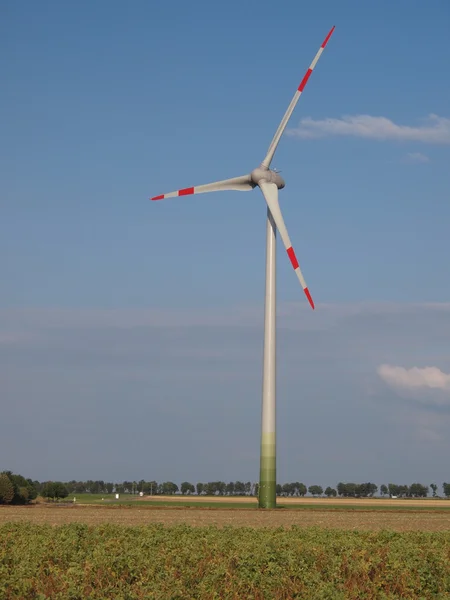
[267, 477]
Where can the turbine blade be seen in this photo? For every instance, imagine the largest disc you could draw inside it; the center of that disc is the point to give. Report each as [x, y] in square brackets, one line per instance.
[242, 184]
[270, 193]
[287, 115]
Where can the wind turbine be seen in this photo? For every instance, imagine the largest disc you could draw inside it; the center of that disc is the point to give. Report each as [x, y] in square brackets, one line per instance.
[269, 181]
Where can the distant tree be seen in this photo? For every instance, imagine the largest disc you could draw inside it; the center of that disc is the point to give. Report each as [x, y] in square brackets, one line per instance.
[434, 487]
[330, 492]
[31, 488]
[315, 490]
[301, 487]
[209, 488]
[199, 488]
[346, 489]
[371, 488]
[239, 488]
[393, 489]
[287, 489]
[295, 485]
[221, 486]
[37, 486]
[150, 488]
[70, 485]
[6, 489]
[383, 489]
[23, 495]
[187, 488]
[109, 487]
[47, 490]
[399, 490]
[168, 488]
[76, 487]
[403, 490]
[365, 489]
[255, 489]
[417, 490]
[24, 489]
[278, 489]
[446, 489]
[216, 487]
[55, 490]
[230, 488]
[127, 487]
[59, 490]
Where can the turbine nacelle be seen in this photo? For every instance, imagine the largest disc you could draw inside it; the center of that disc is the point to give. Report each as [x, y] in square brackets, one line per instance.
[267, 175]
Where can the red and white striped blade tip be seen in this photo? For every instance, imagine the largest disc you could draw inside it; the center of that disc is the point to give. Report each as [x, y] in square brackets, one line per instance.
[308, 295]
[293, 258]
[330, 33]
[183, 192]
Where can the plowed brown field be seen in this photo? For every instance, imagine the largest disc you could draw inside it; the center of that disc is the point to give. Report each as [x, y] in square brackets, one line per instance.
[402, 520]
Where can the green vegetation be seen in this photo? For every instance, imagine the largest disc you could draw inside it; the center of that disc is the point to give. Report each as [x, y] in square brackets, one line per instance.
[224, 503]
[54, 490]
[6, 489]
[15, 489]
[26, 490]
[157, 562]
[239, 488]
[94, 498]
[315, 490]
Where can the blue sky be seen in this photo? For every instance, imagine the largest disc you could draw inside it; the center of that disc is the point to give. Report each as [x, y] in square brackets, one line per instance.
[136, 327]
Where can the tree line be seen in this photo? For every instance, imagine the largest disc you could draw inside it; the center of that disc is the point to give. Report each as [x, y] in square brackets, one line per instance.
[16, 489]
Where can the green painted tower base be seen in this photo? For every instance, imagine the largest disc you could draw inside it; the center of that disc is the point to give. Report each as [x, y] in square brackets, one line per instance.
[267, 497]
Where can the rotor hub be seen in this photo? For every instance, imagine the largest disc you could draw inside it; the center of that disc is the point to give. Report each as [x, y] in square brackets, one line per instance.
[264, 174]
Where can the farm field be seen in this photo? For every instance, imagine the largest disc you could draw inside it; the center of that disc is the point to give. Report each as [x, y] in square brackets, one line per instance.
[308, 501]
[251, 501]
[79, 561]
[419, 518]
[164, 549]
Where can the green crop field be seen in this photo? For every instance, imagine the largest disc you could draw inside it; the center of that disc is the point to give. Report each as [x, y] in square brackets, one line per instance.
[252, 503]
[126, 499]
[79, 561]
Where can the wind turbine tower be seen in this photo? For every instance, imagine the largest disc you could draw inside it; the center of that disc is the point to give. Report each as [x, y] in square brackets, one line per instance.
[269, 182]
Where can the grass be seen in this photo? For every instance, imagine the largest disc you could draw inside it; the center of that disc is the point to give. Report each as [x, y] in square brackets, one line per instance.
[126, 500]
[93, 498]
[323, 504]
[157, 562]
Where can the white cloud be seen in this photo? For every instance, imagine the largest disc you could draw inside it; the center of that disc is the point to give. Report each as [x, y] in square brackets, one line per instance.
[416, 378]
[416, 157]
[435, 129]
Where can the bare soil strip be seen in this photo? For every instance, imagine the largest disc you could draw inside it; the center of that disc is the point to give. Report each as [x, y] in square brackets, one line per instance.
[423, 502]
[141, 515]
